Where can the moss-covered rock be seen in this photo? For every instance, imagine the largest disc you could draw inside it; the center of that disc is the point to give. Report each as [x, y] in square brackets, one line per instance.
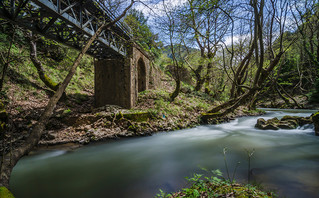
[5, 193]
[305, 120]
[260, 123]
[273, 120]
[287, 122]
[291, 124]
[299, 120]
[136, 116]
[271, 124]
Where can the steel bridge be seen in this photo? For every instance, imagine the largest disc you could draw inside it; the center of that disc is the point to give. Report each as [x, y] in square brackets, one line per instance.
[71, 22]
[122, 69]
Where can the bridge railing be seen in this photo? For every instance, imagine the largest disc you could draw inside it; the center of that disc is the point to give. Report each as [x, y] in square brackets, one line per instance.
[121, 23]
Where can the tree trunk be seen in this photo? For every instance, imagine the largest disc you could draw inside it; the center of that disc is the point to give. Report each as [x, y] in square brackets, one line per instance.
[176, 91]
[286, 100]
[289, 96]
[243, 66]
[37, 63]
[199, 84]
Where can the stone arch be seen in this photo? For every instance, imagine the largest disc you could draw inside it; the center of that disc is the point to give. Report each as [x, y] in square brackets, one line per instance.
[141, 75]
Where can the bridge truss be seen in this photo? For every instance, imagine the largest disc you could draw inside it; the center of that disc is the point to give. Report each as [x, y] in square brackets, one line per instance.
[71, 22]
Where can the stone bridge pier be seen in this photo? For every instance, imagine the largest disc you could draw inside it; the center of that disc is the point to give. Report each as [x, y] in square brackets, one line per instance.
[118, 80]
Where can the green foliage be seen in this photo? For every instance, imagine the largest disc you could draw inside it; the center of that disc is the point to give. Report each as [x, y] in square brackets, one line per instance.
[216, 186]
[142, 33]
[25, 75]
[163, 60]
[56, 58]
[67, 111]
[52, 49]
[185, 103]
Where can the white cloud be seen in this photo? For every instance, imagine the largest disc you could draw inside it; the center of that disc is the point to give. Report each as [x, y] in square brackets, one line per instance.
[156, 8]
[236, 38]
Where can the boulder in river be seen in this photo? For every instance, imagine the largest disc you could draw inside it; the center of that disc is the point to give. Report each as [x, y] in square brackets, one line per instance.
[270, 124]
[287, 122]
[299, 120]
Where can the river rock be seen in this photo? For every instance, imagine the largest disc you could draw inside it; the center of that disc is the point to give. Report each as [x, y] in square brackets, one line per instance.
[287, 122]
[260, 123]
[315, 119]
[270, 124]
[296, 119]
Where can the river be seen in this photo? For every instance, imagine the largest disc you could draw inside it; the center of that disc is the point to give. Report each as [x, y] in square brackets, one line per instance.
[285, 160]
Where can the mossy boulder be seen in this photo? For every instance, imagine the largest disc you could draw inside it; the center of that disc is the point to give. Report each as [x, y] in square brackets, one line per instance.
[315, 119]
[305, 120]
[135, 116]
[299, 120]
[260, 123]
[287, 122]
[291, 124]
[270, 124]
[273, 120]
[5, 193]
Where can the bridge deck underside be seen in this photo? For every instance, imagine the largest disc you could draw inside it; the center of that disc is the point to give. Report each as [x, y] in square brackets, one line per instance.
[71, 22]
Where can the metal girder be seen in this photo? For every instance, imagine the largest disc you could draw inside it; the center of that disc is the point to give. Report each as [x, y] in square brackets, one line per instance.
[71, 22]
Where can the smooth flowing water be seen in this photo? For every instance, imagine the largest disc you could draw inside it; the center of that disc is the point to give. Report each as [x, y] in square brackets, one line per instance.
[285, 160]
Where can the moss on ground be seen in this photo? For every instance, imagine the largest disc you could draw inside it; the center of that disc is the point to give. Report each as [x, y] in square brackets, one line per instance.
[138, 116]
[5, 193]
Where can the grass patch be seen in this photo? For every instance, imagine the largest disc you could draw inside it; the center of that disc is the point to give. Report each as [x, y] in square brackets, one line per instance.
[24, 75]
[184, 103]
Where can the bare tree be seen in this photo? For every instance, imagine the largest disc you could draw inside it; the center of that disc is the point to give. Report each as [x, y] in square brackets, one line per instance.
[171, 25]
[274, 13]
[306, 17]
[206, 25]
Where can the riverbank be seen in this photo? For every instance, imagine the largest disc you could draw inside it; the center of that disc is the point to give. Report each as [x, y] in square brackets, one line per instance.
[76, 122]
[153, 113]
[139, 167]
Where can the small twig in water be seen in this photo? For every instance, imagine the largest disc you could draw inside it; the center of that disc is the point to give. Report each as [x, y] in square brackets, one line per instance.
[250, 153]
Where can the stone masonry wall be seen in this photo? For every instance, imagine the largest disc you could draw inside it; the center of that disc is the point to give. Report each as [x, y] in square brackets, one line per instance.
[116, 80]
